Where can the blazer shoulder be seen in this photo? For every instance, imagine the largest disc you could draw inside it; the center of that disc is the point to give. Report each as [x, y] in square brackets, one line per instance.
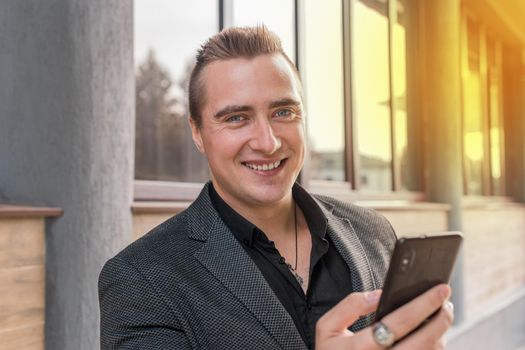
[365, 219]
[152, 243]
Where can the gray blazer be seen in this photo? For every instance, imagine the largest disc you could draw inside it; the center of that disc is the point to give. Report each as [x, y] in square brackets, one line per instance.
[189, 284]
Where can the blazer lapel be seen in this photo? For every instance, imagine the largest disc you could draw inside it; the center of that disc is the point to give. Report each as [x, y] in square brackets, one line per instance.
[347, 243]
[226, 259]
[349, 246]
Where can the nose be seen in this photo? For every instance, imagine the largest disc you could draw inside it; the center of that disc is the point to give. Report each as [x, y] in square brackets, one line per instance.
[263, 138]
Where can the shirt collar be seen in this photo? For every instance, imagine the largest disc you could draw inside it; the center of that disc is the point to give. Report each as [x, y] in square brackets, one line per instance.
[245, 231]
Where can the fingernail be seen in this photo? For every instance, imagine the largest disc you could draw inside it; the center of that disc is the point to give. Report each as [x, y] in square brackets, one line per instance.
[443, 291]
[372, 297]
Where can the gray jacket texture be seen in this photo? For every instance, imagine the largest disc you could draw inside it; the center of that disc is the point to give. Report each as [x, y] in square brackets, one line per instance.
[189, 284]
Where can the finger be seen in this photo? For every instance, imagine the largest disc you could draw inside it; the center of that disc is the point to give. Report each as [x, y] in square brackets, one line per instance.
[365, 339]
[346, 312]
[430, 336]
[406, 318]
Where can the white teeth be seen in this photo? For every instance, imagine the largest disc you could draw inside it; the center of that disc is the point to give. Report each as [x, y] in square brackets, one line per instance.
[264, 167]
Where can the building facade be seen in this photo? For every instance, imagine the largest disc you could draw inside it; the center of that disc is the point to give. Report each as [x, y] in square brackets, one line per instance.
[414, 108]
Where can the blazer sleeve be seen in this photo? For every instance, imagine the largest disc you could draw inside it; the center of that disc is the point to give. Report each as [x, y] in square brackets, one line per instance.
[132, 314]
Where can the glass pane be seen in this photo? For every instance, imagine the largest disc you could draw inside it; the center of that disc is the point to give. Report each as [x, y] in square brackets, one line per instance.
[472, 116]
[495, 116]
[277, 15]
[473, 134]
[166, 36]
[323, 79]
[371, 93]
[399, 76]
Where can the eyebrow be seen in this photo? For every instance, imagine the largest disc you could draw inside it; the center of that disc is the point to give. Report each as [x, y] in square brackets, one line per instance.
[232, 109]
[285, 102]
[240, 108]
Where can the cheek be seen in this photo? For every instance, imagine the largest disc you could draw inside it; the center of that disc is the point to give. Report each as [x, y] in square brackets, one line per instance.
[223, 146]
[297, 137]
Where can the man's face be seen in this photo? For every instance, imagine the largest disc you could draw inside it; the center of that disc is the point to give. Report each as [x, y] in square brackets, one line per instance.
[252, 129]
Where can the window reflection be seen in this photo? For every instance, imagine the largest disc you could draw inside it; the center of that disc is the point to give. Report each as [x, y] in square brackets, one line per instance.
[495, 115]
[399, 77]
[473, 114]
[166, 34]
[371, 93]
[277, 15]
[323, 79]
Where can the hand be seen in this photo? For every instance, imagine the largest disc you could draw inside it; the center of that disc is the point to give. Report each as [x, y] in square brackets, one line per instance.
[332, 333]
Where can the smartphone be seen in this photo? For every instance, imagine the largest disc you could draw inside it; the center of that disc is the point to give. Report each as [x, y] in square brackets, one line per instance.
[418, 264]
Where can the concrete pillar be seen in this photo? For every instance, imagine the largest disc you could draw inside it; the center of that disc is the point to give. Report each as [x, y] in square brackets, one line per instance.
[442, 108]
[67, 140]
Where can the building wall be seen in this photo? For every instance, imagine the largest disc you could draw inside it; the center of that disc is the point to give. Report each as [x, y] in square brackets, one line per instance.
[494, 254]
[66, 139]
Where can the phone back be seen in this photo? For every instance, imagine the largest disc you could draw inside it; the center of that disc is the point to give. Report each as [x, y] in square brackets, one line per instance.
[418, 264]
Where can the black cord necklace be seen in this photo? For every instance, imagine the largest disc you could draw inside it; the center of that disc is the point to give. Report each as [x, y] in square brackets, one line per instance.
[294, 268]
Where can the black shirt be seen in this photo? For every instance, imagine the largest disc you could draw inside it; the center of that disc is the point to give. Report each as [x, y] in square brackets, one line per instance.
[329, 280]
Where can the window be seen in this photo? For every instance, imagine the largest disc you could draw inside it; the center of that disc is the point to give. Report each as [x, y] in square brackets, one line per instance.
[277, 15]
[166, 36]
[482, 111]
[402, 176]
[473, 114]
[352, 60]
[494, 83]
[323, 80]
[382, 160]
[371, 94]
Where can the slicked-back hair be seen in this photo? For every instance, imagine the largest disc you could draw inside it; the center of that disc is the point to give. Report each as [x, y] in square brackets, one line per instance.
[230, 43]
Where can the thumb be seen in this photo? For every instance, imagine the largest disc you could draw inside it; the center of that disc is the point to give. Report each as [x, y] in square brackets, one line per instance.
[346, 312]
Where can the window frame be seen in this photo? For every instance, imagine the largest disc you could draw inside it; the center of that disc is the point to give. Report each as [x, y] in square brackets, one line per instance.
[483, 33]
[153, 190]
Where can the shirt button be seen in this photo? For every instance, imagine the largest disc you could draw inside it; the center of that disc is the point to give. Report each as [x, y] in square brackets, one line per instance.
[281, 260]
[309, 306]
[246, 242]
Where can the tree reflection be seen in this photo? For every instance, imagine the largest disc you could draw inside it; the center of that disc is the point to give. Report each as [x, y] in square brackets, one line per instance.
[164, 149]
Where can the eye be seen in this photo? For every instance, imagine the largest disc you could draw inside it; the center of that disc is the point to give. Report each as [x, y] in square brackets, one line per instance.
[285, 113]
[236, 118]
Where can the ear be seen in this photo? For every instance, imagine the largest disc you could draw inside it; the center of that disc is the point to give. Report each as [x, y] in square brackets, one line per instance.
[196, 135]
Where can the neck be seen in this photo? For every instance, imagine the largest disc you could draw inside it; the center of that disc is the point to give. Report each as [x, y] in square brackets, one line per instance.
[274, 219]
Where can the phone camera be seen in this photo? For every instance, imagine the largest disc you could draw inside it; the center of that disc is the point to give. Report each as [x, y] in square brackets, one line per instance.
[406, 261]
[404, 264]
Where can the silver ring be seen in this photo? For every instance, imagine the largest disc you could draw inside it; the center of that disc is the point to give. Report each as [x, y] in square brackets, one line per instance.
[382, 335]
[450, 306]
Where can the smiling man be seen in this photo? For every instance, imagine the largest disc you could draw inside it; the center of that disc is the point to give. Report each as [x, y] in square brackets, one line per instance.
[256, 262]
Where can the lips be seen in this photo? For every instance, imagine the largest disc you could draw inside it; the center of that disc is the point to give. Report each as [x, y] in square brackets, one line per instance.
[260, 166]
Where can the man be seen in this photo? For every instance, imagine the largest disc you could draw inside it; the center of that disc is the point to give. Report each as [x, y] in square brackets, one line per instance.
[256, 262]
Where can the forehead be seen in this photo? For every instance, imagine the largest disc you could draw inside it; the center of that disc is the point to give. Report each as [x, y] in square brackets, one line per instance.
[254, 81]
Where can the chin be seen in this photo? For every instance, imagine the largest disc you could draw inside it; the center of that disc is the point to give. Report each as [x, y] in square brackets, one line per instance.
[270, 195]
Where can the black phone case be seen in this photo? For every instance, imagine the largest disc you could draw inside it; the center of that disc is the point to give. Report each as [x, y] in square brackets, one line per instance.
[418, 264]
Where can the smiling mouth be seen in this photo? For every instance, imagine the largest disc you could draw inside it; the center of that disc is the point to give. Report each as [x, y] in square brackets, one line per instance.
[265, 166]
